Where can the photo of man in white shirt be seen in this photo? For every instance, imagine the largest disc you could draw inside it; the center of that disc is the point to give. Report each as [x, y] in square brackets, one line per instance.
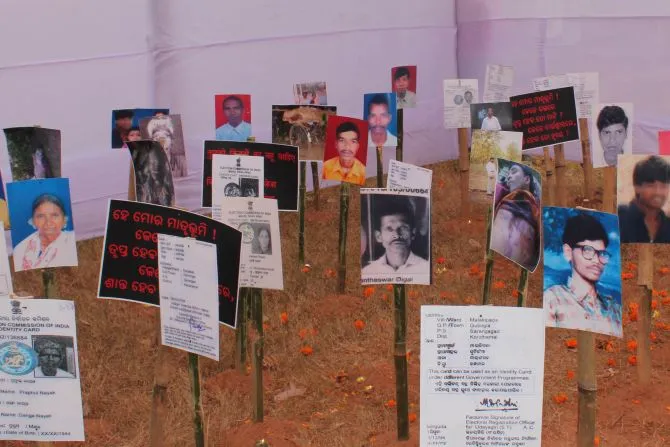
[490, 122]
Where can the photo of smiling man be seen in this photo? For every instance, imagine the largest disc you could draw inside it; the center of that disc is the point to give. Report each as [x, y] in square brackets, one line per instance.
[346, 150]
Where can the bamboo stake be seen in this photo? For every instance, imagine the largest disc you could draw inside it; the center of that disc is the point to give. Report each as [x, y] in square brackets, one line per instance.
[561, 186]
[401, 137]
[609, 188]
[315, 183]
[194, 372]
[344, 217]
[49, 284]
[400, 361]
[257, 361]
[587, 163]
[241, 330]
[464, 167]
[380, 168]
[522, 288]
[301, 213]
[486, 292]
[551, 179]
[645, 278]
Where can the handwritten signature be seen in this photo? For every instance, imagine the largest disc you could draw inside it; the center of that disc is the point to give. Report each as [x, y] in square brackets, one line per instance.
[489, 404]
[196, 325]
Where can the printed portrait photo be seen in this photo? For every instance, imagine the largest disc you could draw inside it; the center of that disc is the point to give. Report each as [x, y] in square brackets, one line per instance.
[582, 270]
[379, 110]
[486, 147]
[4, 210]
[153, 178]
[516, 228]
[310, 93]
[232, 117]
[403, 84]
[126, 124]
[611, 133]
[167, 130]
[491, 116]
[395, 237]
[302, 126]
[643, 182]
[56, 357]
[346, 151]
[262, 241]
[249, 187]
[42, 225]
[34, 152]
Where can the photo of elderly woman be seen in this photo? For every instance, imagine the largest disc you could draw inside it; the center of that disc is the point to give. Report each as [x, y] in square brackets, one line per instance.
[153, 178]
[42, 224]
[262, 242]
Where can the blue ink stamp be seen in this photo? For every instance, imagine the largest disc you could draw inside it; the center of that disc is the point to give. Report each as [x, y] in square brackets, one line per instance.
[17, 358]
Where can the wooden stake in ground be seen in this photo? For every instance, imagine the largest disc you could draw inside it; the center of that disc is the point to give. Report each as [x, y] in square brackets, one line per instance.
[194, 373]
[522, 288]
[561, 185]
[464, 167]
[315, 183]
[257, 359]
[342, 252]
[551, 179]
[486, 291]
[49, 284]
[645, 278]
[380, 168]
[241, 330]
[301, 213]
[587, 163]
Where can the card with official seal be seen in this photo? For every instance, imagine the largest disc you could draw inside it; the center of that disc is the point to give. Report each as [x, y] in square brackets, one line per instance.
[237, 176]
[404, 175]
[458, 95]
[395, 236]
[39, 371]
[482, 374]
[187, 284]
[258, 221]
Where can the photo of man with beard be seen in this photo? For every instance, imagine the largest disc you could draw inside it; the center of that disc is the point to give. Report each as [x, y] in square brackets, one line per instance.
[52, 357]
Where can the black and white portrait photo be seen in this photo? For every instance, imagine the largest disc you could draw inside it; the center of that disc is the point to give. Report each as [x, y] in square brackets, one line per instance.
[34, 152]
[262, 242]
[55, 355]
[153, 178]
[167, 130]
[612, 133]
[249, 186]
[395, 226]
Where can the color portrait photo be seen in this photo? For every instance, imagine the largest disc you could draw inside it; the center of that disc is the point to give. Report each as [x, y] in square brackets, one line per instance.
[310, 93]
[346, 151]
[126, 124]
[403, 84]
[582, 270]
[516, 228]
[379, 110]
[303, 126]
[42, 224]
[491, 116]
[153, 178]
[486, 147]
[643, 182]
[611, 133]
[34, 152]
[167, 130]
[232, 117]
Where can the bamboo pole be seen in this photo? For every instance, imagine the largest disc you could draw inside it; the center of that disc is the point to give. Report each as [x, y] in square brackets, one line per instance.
[301, 213]
[587, 163]
[380, 168]
[241, 333]
[257, 360]
[400, 361]
[561, 185]
[551, 179]
[609, 188]
[486, 291]
[342, 252]
[194, 373]
[315, 183]
[401, 137]
[645, 278]
[522, 288]
[464, 167]
[49, 284]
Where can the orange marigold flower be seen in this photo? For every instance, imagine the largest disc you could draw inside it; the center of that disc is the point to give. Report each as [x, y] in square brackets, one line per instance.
[663, 293]
[389, 287]
[627, 275]
[306, 350]
[630, 266]
[515, 293]
[570, 374]
[359, 324]
[474, 270]
[596, 441]
[632, 360]
[330, 273]
[283, 317]
[664, 270]
[611, 362]
[655, 292]
[368, 292]
[659, 325]
[654, 304]
[441, 260]
[652, 336]
[560, 398]
[632, 345]
[636, 401]
[498, 285]
[305, 268]
[665, 301]
[571, 343]
[413, 294]
[302, 333]
[390, 403]
[412, 417]
[266, 326]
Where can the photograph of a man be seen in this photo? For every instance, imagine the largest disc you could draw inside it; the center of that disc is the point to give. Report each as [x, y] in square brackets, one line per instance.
[379, 111]
[52, 356]
[396, 227]
[644, 182]
[232, 117]
[490, 122]
[582, 270]
[614, 129]
[492, 116]
[346, 150]
[123, 121]
[404, 86]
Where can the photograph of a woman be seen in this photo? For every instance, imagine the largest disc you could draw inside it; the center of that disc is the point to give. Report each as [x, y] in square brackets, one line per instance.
[262, 243]
[43, 230]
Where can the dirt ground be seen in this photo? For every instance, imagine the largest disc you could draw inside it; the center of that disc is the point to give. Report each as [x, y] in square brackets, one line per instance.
[339, 393]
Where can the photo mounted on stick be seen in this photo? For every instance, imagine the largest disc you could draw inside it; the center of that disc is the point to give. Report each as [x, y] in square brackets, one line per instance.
[379, 110]
[664, 142]
[42, 224]
[153, 178]
[346, 150]
[302, 126]
[395, 237]
[611, 133]
[167, 130]
[515, 227]
[34, 152]
[643, 182]
[486, 147]
[582, 270]
[491, 116]
[4, 210]
[403, 84]
[310, 93]
[458, 95]
[126, 124]
[232, 117]
[56, 356]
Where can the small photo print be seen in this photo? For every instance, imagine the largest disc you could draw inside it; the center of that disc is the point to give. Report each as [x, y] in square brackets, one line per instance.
[310, 93]
[153, 178]
[262, 241]
[42, 225]
[303, 126]
[379, 110]
[248, 187]
[34, 152]
[491, 116]
[611, 133]
[346, 151]
[4, 210]
[56, 357]
[582, 270]
[403, 84]
[126, 124]
[167, 130]
[232, 117]
[643, 183]
[486, 147]
[664, 142]
[516, 223]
